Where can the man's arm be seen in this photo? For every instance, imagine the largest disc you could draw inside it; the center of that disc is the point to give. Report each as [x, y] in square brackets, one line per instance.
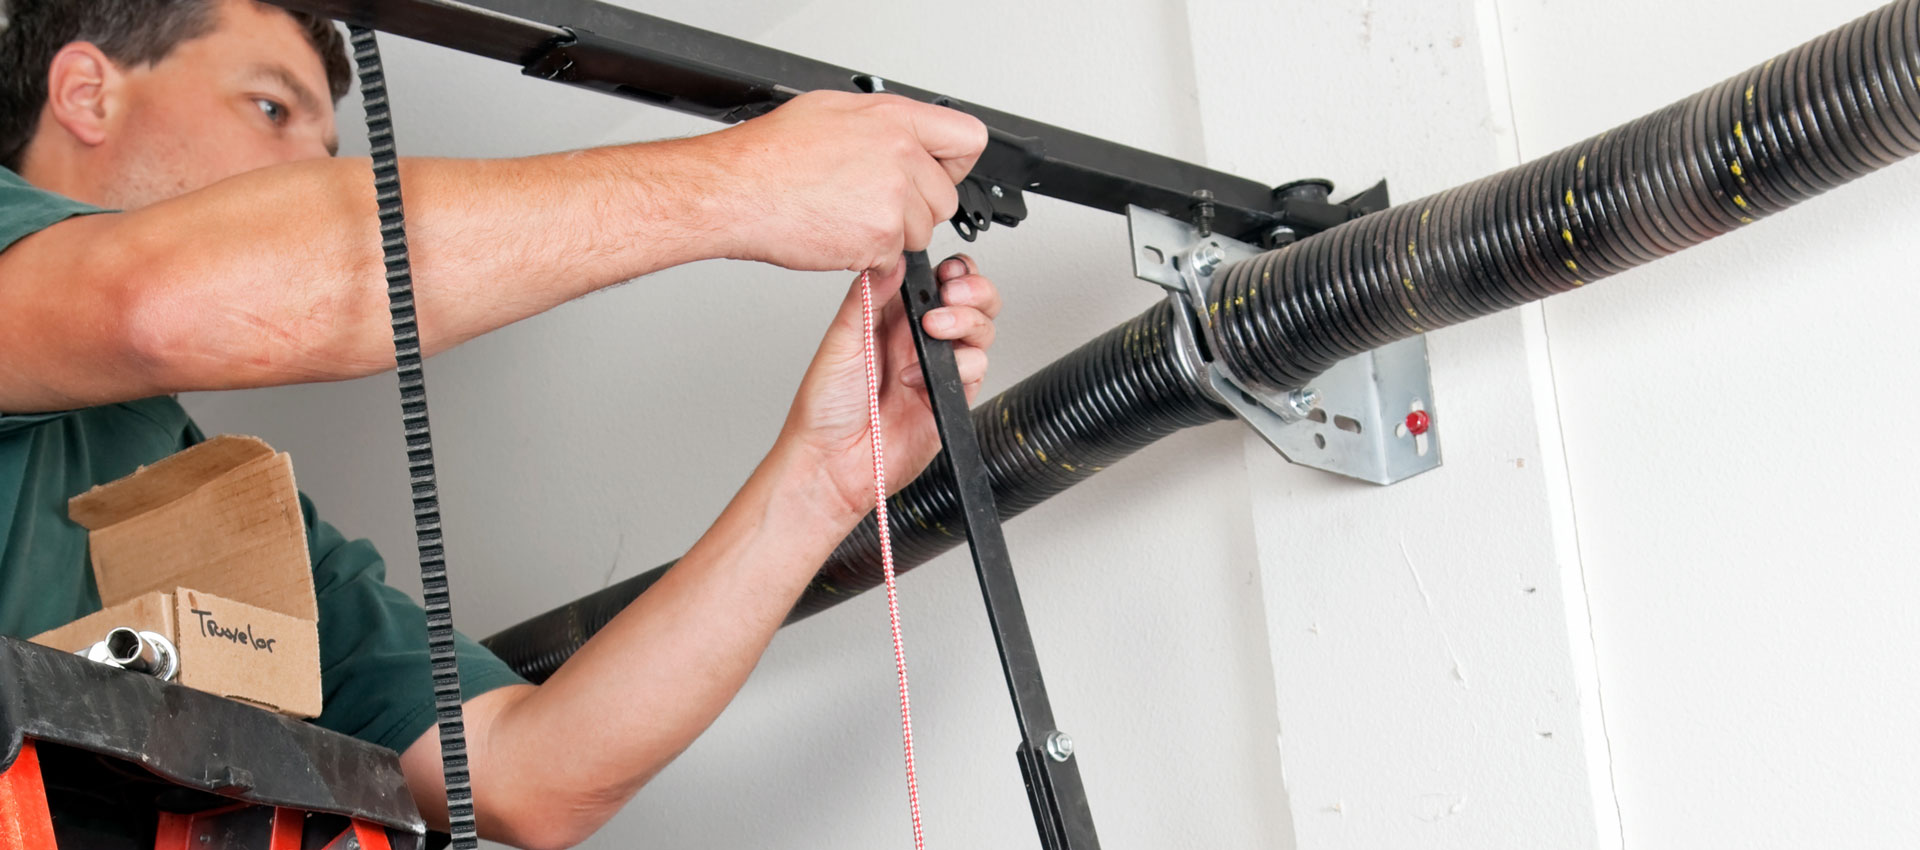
[274, 276]
[646, 685]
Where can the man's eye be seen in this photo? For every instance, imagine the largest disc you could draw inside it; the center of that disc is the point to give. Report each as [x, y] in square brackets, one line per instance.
[274, 111]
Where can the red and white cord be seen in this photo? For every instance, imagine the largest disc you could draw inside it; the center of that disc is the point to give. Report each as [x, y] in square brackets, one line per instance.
[886, 550]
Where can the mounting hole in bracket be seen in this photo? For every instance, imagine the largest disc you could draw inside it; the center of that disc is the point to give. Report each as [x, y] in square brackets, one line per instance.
[1347, 424]
[1152, 255]
[1319, 441]
[1318, 415]
[924, 297]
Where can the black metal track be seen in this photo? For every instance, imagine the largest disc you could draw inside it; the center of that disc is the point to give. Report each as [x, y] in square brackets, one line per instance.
[715, 76]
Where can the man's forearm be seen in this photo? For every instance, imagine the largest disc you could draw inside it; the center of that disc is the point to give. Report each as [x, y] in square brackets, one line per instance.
[275, 276]
[643, 688]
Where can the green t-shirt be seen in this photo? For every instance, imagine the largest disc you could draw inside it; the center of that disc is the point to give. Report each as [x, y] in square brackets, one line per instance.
[373, 646]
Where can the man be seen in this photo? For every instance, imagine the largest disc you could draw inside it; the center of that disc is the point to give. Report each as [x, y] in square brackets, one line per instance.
[244, 255]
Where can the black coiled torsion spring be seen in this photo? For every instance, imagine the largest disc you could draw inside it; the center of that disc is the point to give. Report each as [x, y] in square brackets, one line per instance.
[1829, 111]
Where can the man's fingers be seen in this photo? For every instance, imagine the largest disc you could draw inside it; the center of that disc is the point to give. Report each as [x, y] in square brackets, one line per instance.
[972, 363]
[949, 135]
[936, 191]
[965, 325]
[956, 266]
[974, 291]
[919, 227]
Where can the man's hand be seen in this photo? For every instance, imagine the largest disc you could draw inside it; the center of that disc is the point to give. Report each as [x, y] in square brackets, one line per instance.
[828, 421]
[643, 688]
[834, 180]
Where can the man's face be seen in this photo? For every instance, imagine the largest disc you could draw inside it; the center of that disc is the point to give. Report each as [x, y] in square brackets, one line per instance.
[249, 94]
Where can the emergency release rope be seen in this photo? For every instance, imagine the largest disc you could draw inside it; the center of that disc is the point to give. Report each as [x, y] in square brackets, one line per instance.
[886, 550]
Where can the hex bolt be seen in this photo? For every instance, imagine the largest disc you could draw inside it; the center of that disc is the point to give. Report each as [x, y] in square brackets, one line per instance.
[1059, 746]
[1202, 207]
[1303, 401]
[1208, 257]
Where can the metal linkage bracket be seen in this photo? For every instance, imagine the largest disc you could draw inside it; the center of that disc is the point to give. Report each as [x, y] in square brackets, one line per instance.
[1370, 417]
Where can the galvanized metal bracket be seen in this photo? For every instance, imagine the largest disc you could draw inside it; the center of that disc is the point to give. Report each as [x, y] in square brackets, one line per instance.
[1354, 421]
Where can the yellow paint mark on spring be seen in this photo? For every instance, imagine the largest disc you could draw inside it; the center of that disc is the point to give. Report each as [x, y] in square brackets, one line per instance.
[1582, 164]
[1745, 220]
[1740, 201]
[1040, 454]
[1737, 131]
[1253, 293]
[1407, 282]
[1567, 235]
[1569, 197]
[1238, 301]
[1410, 312]
[1579, 282]
[1572, 266]
[1019, 437]
[1004, 413]
[1734, 166]
[1749, 94]
[1099, 469]
[1424, 213]
[1409, 247]
[1214, 307]
[1067, 466]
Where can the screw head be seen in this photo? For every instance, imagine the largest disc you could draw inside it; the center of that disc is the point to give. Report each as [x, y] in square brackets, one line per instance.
[1059, 746]
[1418, 422]
[1303, 401]
[1279, 237]
[1208, 257]
[997, 191]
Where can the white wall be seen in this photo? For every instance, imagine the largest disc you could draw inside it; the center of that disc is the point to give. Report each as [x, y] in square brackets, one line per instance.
[1655, 599]
[1431, 691]
[1735, 435]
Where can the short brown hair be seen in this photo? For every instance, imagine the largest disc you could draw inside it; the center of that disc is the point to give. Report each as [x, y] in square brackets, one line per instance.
[130, 32]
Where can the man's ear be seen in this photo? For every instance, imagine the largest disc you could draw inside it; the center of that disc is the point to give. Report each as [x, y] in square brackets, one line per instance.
[83, 87]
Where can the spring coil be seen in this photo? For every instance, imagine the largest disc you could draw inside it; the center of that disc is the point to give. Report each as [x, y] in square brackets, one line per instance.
[1113, 396]
[1831, 110]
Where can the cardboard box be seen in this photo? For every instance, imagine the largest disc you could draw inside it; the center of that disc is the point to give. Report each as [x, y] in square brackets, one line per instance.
[207, 547]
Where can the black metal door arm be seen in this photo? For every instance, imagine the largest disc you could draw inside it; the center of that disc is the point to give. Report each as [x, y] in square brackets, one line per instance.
[1045, 754]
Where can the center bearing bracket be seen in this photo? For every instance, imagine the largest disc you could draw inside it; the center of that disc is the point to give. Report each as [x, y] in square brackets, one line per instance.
[1369, 417]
